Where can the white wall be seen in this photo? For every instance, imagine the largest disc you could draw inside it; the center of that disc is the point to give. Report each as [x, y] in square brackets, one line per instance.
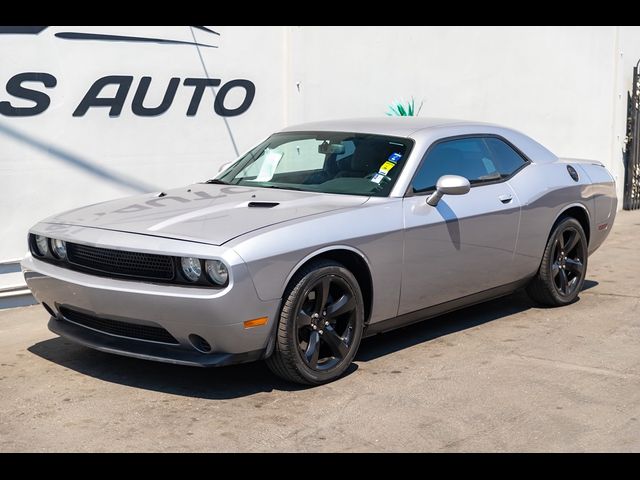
[565, 86]
[54, 161]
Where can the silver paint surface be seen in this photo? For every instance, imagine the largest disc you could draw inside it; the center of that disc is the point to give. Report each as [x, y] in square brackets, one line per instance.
[418, 255]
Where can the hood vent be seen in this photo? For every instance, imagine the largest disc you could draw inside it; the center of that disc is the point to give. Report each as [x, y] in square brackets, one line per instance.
[263, 204]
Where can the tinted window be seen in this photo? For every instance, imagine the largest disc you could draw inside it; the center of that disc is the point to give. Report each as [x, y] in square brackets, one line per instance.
[507, 160]
[330, 162]
[478, 159]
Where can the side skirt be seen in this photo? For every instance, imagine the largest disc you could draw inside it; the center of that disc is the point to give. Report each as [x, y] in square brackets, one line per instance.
[442, 308]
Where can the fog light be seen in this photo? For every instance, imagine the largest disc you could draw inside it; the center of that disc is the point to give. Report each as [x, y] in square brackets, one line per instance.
[59, 248]
[217, 271]
[200, 343]
[191, 268]
[42, 245]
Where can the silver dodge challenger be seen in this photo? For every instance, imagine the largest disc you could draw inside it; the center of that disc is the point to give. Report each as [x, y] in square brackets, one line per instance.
[322, 234]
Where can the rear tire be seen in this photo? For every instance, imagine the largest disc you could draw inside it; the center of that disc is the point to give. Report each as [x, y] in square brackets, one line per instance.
[320, 325]
[564, 265]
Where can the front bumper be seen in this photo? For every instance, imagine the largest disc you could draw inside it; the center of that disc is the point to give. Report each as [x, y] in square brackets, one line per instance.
[147, 350]
[215, 315]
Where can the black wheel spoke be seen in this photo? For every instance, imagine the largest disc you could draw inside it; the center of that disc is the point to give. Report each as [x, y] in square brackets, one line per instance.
[304, 320]
[561, 241]
[572, 284]
[571, 243]
[563, 281]
[322, 294]
[335, 342]
[313, 350]
[344, 304]
[575, 266]
[555, 269]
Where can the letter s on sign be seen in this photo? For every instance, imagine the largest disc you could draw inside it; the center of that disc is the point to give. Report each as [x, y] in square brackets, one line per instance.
[15, 88]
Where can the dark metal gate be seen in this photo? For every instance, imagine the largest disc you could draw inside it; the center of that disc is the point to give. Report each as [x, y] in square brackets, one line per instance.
[632, 151]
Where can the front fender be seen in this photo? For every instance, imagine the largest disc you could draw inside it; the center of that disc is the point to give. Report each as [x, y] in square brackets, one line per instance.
[374, 232]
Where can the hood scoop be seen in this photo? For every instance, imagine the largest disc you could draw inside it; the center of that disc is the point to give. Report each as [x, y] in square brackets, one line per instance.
[263, 204]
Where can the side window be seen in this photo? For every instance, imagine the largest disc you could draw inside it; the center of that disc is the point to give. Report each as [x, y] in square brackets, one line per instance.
[468, 157]
[507, 160]
[479, 159]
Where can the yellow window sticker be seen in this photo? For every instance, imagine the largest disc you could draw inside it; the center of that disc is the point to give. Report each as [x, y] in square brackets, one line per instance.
[386, 166]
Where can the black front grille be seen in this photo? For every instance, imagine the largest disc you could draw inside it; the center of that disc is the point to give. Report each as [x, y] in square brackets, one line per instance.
[119, 262]
[116, 327]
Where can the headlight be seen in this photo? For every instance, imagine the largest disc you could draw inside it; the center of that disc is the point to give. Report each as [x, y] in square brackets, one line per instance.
[191, 268]
[217, 271]
[42, 245]
[59, 248]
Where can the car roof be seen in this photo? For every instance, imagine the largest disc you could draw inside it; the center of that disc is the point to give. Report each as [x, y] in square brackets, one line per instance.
[421, 128]
[396, 126]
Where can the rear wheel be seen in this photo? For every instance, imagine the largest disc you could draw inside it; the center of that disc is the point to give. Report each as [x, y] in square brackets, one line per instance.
[320, 325]
[564, 265]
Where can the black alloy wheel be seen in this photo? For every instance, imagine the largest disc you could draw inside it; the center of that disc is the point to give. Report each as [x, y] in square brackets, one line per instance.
[320, 326]
[567, 267]
[564, 265]
[325, 322]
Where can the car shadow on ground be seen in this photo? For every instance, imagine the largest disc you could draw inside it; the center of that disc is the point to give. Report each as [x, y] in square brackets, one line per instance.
[424, 331]
[469, 317]
[210, 383]
[248, 379]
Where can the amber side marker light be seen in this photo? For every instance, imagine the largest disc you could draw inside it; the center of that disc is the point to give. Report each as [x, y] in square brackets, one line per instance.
[256, 322]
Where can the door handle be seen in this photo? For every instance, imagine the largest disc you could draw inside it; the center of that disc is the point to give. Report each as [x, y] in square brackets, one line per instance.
[506, 198]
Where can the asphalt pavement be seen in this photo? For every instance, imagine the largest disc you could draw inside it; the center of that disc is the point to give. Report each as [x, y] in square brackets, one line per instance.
[502, 376]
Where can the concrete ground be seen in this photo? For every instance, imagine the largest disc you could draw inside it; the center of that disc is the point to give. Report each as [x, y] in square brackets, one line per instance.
[503, 376]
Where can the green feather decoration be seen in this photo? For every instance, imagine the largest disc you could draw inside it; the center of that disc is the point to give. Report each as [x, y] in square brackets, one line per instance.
[404, 109]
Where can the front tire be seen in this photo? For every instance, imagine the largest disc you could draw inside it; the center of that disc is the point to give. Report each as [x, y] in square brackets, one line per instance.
[321, 324]
[564, 265]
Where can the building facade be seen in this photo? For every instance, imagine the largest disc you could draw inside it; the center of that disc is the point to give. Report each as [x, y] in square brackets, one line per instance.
[93, 113]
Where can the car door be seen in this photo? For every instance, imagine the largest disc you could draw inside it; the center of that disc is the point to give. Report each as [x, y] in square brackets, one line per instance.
[466, 243]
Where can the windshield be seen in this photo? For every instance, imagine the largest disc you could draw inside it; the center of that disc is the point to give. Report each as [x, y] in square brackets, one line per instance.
[329, 162]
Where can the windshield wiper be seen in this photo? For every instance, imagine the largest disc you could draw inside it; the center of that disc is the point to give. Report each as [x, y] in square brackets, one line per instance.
[217, 181]
[283, 188]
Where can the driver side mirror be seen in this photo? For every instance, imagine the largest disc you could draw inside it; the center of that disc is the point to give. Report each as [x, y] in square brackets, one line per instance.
[449, 185]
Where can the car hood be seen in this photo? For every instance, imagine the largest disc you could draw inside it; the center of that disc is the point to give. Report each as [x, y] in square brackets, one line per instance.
[205, 213]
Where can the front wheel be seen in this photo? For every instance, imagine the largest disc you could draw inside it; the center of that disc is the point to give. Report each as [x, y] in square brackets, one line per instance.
[563, 267]
[320, 326]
